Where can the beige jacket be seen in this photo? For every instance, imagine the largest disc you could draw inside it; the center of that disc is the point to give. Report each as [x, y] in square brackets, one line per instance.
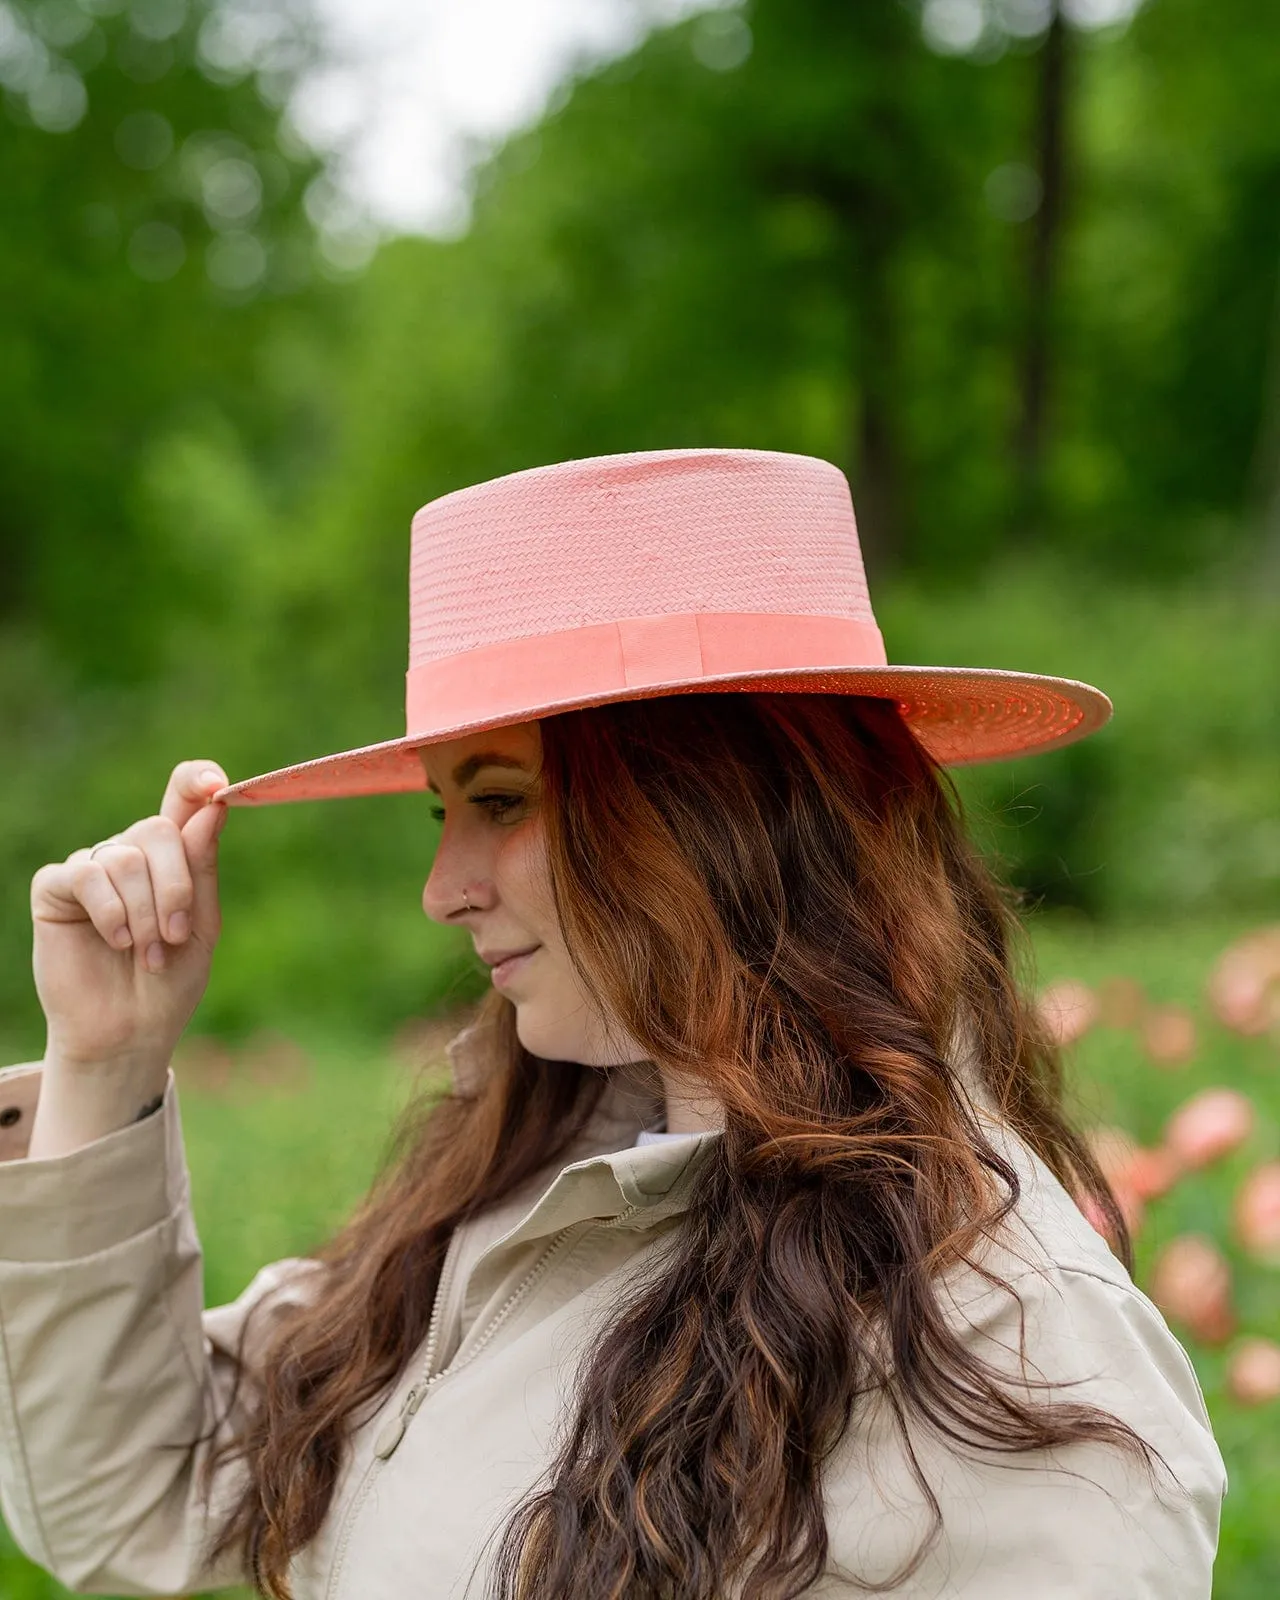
[108, 1357]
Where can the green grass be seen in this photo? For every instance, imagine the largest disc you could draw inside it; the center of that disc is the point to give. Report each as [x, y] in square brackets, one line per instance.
[275, 1169]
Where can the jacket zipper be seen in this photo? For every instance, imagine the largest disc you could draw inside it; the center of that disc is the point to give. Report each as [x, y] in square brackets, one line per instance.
[366, 1483]
[382, 1448]
[389, 1439]
[393, 1431]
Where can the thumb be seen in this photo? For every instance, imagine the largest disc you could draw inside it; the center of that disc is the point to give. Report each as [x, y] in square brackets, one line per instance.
[200, 840]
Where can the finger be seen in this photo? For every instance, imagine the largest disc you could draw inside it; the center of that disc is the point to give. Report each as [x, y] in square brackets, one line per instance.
[126, 865]
[79, 890]
[160, 840]
[188, 790]
[107, 911]
[200, 840]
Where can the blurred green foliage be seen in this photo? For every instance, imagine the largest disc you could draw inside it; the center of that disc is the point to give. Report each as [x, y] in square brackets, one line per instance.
[1022, 287]
[153, 272]
[796, 227]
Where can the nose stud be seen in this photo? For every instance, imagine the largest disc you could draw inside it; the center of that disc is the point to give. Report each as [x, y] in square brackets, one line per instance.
[466, 900]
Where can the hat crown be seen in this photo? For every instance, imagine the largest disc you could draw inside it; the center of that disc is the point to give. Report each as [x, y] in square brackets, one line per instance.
[648, 534]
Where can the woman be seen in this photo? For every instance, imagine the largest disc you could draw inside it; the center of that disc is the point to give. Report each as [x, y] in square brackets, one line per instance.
[742, 1259]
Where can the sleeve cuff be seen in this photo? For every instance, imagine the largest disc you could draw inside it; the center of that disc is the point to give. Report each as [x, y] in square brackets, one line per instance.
[65, 1207]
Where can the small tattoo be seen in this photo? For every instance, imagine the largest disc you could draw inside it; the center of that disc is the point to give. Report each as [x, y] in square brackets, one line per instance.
[151, 1105]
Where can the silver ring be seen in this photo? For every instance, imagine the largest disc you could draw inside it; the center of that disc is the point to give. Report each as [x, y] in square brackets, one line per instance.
[466, 900]
[103, 843]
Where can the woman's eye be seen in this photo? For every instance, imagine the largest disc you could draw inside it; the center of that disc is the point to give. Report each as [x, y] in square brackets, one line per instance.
[498, 805]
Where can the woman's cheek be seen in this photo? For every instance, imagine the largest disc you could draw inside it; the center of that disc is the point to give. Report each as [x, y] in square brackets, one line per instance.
[522, 877]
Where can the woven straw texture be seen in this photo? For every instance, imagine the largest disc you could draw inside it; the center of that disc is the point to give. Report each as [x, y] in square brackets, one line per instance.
[649, 534]
[668, 533]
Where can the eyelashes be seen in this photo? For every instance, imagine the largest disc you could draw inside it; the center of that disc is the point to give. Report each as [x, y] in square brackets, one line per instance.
[497, 806]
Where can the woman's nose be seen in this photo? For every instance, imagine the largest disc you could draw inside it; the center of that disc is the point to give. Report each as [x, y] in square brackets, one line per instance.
[443, 897]
[431, 901]
[455, 885]
[442, 893]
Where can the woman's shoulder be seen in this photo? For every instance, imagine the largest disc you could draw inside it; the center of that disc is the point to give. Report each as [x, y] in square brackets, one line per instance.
[1045, 1301]
[1050, 1312]
[1063, 1275]
[1046, 1233]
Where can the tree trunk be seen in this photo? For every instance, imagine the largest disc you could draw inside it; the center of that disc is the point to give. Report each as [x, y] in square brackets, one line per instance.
[1266, 465]
[1042, 264]
[877, 478]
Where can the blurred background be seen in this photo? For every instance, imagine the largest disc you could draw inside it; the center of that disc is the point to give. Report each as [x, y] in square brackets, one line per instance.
[275, 272]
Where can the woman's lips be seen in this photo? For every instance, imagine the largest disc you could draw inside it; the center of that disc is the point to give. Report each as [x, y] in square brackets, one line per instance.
[503, 971]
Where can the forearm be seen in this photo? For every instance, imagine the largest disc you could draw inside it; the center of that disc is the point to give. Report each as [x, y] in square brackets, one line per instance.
[82, 1102]
[108, 1367]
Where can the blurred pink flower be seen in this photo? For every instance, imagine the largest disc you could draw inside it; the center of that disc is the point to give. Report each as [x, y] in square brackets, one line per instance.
[1168, 1035]
[1122, 1002]
[1208, 1126]
[1244, 986]
[1153, 1172]
[1191, 1283]
[1257, 1212]
[1253, 1372]
[1093, 1215]
[1135, 1174]
[1068, 1009]
[204, 1064]
[272, 1060]
[1113, 1149]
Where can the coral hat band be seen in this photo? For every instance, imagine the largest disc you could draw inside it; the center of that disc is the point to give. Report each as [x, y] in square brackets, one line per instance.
[609, 658]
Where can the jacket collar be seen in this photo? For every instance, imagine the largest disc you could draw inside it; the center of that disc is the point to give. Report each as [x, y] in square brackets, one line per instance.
[604, 1173]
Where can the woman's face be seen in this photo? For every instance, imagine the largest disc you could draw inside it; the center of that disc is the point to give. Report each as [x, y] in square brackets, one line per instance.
[493, 853]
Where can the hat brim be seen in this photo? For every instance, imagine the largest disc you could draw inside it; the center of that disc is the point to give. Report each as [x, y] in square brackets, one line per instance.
[961, 715]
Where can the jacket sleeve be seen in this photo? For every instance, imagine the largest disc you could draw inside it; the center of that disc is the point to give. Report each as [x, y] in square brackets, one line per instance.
[1090, 1520]
[114, 1380]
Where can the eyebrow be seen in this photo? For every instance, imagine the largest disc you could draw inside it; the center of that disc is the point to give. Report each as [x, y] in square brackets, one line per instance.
[466, 770]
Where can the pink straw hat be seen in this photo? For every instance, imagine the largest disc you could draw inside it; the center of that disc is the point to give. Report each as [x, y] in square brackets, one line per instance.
[661, 572]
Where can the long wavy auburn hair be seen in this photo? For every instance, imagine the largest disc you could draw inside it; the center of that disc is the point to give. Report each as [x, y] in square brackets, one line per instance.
[777, 896]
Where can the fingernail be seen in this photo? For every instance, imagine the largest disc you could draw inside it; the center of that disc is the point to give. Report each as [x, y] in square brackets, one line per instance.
[155, 957]
[179, 926]
[122, 938]
[211, 780]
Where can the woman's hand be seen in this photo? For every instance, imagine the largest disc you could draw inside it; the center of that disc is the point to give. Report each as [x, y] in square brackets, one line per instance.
[123, 943]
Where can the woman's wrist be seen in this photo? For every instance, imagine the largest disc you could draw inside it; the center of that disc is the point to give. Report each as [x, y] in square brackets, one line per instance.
[80, 1103]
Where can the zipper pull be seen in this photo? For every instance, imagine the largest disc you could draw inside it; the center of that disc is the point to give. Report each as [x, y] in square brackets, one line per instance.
[392, 1433]
[388, 1440]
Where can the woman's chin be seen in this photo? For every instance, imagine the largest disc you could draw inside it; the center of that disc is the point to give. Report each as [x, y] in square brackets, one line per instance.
[542, 1038]
[550, 1040]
